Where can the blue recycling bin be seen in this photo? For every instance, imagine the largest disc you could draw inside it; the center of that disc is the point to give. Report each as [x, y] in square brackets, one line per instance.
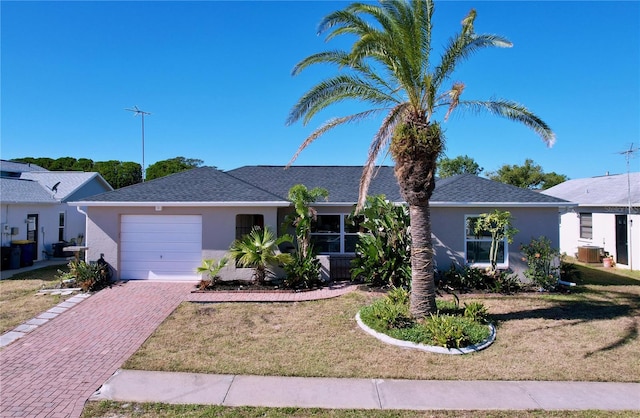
[27, 251]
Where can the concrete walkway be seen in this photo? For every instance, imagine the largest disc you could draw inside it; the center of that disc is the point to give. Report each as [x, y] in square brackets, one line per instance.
[55, 368]
[273, 391]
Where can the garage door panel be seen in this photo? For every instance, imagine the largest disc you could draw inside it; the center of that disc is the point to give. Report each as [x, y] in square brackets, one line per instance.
[151, 256]
[159, 228]
[160, 247]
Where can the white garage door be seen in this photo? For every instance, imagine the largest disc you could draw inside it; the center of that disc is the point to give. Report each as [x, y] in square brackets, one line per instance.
[160, 247]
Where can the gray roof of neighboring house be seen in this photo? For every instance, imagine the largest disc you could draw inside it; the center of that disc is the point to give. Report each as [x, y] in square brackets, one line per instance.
[272, 183]
[16, 190]
[610, 190]
[13, 167]
[203, 184]
[342, 182]
[62, 184]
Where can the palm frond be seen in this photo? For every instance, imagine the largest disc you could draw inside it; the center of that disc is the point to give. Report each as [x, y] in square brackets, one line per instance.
[515, 112]
[334, 90]
[380, 141]
[330, 125]
[462, 47]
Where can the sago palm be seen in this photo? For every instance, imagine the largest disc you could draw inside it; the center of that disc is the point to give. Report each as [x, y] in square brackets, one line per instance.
[389, 68]
[259, 250]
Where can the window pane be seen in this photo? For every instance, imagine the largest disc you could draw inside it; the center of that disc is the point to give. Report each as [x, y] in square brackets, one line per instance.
[326, 243]
[326, 223]
[470, 234]
[352, 224]
[61, 219]
[245, 223]
[478, 252]
[586, 225]
[350, 243]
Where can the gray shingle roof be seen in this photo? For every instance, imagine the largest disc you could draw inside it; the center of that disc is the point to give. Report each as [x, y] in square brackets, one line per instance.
[15, 190]
[13, 167]
[342, 182]
[272, 184]
[467, 188]
[203, 184]
[603, 190]
[68, 182]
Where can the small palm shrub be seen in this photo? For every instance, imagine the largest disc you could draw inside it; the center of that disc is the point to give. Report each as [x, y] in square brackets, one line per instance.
[258, 250]
[384, 250]
[210, 270]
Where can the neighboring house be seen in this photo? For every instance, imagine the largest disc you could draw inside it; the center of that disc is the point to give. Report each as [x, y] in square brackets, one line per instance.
[163, 228]
[607, 218]
[34, 205]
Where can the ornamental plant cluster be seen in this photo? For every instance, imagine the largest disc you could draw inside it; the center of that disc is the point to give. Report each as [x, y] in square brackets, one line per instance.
[90, 277]
[452, 326]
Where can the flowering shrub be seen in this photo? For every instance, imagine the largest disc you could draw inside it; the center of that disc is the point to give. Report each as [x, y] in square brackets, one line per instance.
[542, 263]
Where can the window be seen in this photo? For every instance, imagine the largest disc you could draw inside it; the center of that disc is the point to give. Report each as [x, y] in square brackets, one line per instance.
[477, 247]
[586, 225]
[245, 223]
[61, 223]
[336, 234]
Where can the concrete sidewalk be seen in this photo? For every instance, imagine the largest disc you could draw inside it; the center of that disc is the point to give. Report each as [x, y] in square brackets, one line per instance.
[272, 391]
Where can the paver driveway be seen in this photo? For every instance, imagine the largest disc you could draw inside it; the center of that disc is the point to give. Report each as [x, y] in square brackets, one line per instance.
[55, 368]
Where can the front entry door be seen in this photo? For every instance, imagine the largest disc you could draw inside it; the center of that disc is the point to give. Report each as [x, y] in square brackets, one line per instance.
[622, 243]
[32, 232]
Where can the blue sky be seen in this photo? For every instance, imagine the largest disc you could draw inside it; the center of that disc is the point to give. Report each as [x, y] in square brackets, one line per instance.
[216, 78]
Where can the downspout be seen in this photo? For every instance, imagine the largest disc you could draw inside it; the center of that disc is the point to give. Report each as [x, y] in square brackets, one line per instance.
[86, 218]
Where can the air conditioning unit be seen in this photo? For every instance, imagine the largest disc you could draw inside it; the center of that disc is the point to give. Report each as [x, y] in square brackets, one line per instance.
[589, 254]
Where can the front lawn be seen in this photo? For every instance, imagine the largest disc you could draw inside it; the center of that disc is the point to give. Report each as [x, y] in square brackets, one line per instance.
[108, 409]
[19, 299]
[588, 335]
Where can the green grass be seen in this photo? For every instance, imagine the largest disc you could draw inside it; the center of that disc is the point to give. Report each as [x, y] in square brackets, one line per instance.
[107, 409]
[19, 298]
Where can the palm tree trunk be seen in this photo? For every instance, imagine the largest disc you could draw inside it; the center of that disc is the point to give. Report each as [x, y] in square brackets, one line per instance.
[423, 292]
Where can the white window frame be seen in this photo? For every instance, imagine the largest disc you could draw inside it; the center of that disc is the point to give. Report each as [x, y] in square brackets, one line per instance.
[342, 233]
[581, 226]
[501, 264]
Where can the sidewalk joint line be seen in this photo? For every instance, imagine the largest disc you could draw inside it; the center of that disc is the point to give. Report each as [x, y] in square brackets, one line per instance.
[224, 399]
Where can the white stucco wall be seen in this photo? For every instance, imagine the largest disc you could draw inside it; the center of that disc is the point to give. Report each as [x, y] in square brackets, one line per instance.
[604, 233]
[14, 215]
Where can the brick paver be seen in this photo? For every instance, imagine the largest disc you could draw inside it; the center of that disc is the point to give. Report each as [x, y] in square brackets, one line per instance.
[54, 369]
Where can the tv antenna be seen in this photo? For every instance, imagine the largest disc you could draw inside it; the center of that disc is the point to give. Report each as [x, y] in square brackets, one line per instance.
[628, 154]
[137, 112]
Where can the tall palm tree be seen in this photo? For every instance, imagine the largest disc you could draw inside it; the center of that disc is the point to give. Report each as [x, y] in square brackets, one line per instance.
[389, 68]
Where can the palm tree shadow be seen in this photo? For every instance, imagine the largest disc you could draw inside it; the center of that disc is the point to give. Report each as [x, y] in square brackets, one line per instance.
[631, 333]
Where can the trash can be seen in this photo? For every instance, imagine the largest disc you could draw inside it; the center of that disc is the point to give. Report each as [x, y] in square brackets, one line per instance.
[27, 251]
[58, 249]
[11, 258]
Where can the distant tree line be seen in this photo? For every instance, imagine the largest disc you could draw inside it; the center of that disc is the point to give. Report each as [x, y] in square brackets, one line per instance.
[527, 176]
[117, 173]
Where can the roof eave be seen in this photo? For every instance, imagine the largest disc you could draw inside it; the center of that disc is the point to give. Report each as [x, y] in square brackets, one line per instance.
[180, 204]
[503, 204]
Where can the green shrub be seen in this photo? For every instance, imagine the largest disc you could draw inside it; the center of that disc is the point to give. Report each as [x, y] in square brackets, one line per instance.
[384, 250]
[450, 327]
[472, 278]
[303, 272]
[542, 259]
[476, 311]
[90, 277]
